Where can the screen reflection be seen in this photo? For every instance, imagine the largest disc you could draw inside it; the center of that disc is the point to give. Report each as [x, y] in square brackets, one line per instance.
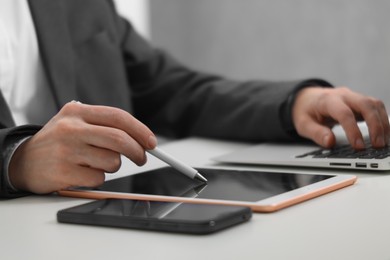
[135, 208]
[222, 184]
[155, 210]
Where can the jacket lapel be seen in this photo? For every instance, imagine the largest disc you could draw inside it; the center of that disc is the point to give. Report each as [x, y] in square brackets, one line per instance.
[55, 48]
[6, 119]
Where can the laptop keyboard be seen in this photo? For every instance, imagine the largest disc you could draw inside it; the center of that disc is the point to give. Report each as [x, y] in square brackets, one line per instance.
[346, 151]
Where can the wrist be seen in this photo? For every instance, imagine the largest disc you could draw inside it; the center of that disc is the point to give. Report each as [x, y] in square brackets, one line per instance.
[12, 175]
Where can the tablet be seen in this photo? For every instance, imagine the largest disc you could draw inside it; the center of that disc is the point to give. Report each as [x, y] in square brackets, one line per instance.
[261, 191]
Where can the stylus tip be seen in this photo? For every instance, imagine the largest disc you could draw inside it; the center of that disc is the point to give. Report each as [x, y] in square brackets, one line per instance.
[200, 177]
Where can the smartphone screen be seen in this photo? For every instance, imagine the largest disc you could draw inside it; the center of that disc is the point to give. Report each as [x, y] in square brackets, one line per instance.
[155, 215]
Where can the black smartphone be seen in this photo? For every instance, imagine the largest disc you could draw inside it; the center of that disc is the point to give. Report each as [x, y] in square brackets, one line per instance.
[156, 215]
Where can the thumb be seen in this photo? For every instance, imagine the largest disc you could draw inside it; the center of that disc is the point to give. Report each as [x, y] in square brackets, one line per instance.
[320, 134]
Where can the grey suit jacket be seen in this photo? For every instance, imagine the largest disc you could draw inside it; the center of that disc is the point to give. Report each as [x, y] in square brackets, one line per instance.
[92, 55]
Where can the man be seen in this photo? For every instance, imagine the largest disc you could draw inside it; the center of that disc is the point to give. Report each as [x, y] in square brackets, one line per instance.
[85, 52]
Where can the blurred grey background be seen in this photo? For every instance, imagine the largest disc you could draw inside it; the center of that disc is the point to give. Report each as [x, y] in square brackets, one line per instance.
[346, 42]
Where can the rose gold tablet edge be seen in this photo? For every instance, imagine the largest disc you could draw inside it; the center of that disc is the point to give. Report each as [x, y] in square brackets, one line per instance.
[312, 194]
[92, 194]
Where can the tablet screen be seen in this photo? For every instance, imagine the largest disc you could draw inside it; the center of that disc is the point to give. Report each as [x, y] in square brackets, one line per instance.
[222, 184]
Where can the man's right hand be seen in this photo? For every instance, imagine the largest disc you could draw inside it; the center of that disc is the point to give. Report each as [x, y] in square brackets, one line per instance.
[77, 146]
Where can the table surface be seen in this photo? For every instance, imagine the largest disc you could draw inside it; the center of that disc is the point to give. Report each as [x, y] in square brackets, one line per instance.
[351, 223]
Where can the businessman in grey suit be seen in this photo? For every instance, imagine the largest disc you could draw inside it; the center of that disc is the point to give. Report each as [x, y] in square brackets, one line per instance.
[129, 91]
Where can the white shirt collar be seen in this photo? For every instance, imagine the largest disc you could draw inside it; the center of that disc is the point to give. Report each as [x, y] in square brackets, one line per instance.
[23, 82]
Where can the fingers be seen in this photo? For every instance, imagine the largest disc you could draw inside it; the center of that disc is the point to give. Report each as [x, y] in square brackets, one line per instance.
[316, 109]
[77, 146]
[97, 158]
[36, 169]
[77, 127]
[111, 128]
[109, 142]
[351, 105]
[344, 115]
[114, 118]
[385, 119]
[374, 113]
[85, 177]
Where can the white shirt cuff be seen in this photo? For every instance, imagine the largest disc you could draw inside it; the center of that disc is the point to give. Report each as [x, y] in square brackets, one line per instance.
[9, 153]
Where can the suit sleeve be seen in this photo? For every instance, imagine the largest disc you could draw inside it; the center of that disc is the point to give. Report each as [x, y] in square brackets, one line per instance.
[8, 136]
[176, 101]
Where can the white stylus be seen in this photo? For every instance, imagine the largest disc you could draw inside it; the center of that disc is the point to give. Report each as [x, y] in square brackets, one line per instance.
[178, 165]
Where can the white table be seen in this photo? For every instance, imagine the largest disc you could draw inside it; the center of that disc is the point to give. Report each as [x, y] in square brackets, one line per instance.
[351, 223]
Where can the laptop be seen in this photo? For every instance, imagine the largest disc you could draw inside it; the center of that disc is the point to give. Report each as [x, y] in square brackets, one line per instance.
[342, 156]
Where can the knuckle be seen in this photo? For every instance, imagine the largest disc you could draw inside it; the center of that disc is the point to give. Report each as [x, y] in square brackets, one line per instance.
[346, 114]
[119, 137]
[70, 131]
[70, 108]
[371, 103]
[64, 127]
[115, 164]
[378, 103]
[139, 157]
[117, 115]
[344, 90]
[98, 179]
[373, 107]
